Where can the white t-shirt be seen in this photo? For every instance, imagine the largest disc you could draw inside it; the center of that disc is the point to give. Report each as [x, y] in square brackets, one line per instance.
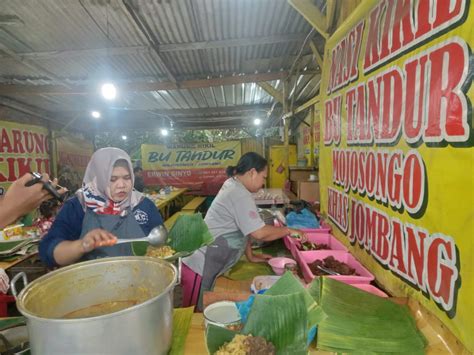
[232, 210]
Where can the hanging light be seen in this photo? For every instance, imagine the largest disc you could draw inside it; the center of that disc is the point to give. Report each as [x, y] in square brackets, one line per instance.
[109, 91]
[95, 114]
[257, 121]
[124, 137]
[164, 132]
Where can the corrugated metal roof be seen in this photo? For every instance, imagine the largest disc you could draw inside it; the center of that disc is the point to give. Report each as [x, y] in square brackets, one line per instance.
[68, 25]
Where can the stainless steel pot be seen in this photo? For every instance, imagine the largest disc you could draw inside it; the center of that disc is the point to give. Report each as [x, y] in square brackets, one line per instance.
[145, 328]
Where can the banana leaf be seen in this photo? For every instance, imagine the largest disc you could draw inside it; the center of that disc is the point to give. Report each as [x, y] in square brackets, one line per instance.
[288, 284]
[359, 322]
[245, 270]
[188, 234]
[281, 320]
[181, 322]
[217, 336]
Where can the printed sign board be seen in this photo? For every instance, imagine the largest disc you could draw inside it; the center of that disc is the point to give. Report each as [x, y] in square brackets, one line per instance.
[200, 167]
[397, 157]
[23, 148]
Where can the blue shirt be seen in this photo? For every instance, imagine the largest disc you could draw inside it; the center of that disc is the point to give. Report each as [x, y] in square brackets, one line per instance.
[68, 225]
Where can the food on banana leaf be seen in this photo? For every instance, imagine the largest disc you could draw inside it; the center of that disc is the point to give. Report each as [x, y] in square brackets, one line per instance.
[331, 264]
[313, 246]
[246, 344]
[160, 252]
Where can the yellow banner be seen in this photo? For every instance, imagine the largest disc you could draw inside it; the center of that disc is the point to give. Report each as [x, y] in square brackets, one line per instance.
[397, 157]
[23, 148]
[73, 155]
[199, 167]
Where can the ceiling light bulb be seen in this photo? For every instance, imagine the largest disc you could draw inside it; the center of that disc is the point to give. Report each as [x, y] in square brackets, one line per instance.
[257, 121]
[109, 91]
[164, 132]
[124, 137]
[95, 114]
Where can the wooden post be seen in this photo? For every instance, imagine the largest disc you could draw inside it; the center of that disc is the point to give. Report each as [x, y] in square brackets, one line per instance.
[286, 122]
[311, 156]
[54, 154]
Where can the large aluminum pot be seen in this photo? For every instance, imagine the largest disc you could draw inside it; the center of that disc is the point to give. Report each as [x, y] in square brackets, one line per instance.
[145, 328]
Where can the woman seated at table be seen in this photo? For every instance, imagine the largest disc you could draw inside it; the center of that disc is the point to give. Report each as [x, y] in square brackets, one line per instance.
[232, 218]
[106, 208]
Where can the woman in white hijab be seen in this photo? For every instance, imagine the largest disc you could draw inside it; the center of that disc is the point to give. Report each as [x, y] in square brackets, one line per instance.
[104, 209]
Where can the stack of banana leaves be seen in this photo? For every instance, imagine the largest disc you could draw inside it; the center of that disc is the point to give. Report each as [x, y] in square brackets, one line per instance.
[360, 322]
[188, 234]
[348, 320]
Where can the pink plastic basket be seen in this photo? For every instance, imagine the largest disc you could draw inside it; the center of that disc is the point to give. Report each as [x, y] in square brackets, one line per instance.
[287, 240]
[371, 289]
[318, 238]
[307, 257]
[316, 230]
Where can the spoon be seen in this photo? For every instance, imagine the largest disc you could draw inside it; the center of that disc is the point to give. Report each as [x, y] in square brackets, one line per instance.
[327, 271]
[156, 237]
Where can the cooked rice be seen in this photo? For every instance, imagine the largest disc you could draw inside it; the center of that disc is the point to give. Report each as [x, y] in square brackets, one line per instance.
[161, 252]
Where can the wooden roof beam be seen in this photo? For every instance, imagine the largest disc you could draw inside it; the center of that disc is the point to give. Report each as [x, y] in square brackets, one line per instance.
[32, 65]
[30, 110]
[316, 54]
[312, 14]
[307, 104]
[238, 42]
[277, 95]
[145, 29]
[330, 13]
[163, 48]
[6, 89]
[178, 113]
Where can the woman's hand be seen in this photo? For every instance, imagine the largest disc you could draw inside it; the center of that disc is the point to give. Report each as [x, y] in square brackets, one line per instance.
[259, 258]
[300, 235]
[97, 238]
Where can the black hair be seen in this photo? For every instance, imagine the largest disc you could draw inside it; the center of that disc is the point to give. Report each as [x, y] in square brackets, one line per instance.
[137, 169]
[247, 162]
[48, 208]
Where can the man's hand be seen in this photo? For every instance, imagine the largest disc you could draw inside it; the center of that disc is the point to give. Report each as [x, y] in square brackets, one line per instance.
[20, 199]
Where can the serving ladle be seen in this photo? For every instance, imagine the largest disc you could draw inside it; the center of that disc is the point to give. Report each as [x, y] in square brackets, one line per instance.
[156, 237]
[327, 271]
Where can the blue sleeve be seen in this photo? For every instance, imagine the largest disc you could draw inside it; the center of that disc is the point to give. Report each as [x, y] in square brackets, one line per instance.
[66, 226]
[154, 216]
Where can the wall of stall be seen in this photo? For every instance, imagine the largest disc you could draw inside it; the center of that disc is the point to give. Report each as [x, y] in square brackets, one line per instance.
[396, 150]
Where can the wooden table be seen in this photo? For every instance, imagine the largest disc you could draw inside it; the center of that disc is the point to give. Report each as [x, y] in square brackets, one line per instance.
[196, 341]
[164, 202]
[440, 339]
[6, 264]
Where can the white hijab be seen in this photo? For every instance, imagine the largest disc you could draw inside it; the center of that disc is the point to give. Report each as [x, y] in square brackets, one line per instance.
[95, 192]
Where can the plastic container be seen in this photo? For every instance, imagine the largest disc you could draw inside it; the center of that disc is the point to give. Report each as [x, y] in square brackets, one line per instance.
[319, 238]
[322, 229]
[278, 264]
[263, 282]
[223, 314]
[370, 289]
[307, 257]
